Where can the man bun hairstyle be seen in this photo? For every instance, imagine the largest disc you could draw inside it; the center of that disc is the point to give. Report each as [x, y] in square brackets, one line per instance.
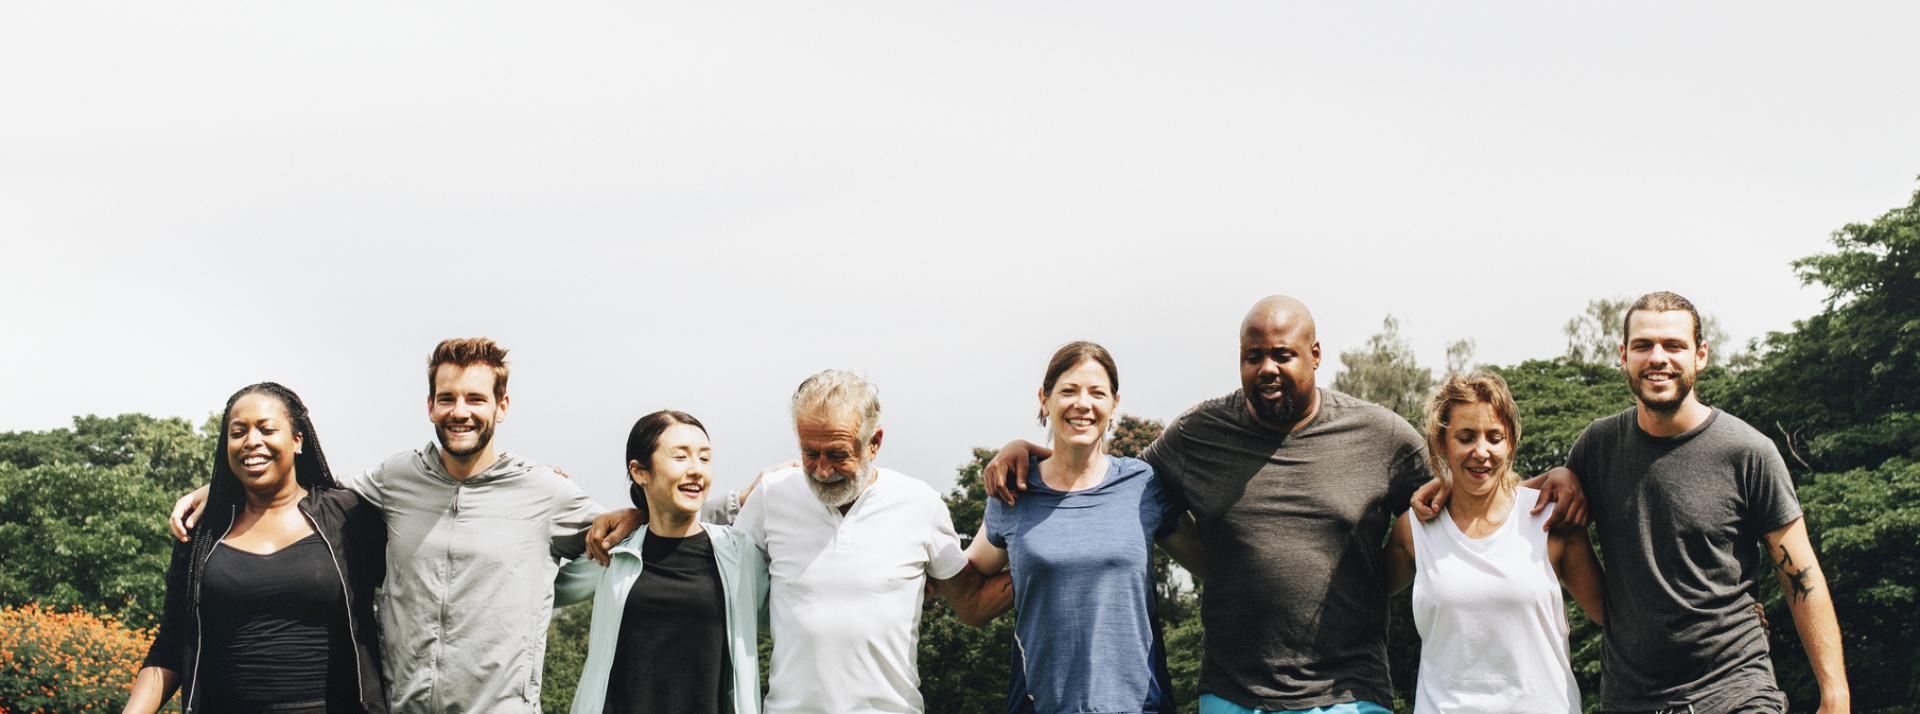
[465, 352]
[838, 391]
[644, 438]
[1663, 301]
[1069, 356]
[1480, 387]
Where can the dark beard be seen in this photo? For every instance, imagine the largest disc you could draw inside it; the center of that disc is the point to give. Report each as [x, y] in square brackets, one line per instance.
[485, 434]
[1683, 386]
[1286, 413]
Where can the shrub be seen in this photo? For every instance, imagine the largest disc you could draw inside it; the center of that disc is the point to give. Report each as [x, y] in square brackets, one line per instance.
[53, 661]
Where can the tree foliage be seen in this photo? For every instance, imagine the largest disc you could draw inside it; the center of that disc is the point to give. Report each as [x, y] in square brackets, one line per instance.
[83, 511]
[1594, 336]
[1385, 372]
[1840, 395]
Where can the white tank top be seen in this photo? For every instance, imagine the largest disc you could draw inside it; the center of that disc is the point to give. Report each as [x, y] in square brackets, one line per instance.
[1493, 626]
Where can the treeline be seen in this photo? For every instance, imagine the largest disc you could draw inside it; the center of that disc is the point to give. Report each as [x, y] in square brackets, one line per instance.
[83, 545]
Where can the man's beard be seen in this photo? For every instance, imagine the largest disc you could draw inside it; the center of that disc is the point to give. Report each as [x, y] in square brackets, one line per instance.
[842, 492]
[1284, 413]
[484, 436]
[1682, 386]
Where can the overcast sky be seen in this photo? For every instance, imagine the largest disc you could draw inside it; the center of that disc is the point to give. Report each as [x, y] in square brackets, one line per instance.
[695, 205]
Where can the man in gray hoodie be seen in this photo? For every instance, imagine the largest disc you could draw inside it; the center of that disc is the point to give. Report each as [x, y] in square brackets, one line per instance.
[474, 539]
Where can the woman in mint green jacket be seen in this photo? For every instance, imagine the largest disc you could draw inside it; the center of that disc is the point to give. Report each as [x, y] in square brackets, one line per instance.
[676, 611]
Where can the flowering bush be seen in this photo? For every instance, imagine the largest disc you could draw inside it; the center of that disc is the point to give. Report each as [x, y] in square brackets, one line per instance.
[53, 661]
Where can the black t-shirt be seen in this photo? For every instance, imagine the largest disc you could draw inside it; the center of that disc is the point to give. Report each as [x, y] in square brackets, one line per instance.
[672, 654]
[1681, 521]
[274, 624]
[1295, 608]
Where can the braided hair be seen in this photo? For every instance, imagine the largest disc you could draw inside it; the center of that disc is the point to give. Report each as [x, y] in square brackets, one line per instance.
[225, 494]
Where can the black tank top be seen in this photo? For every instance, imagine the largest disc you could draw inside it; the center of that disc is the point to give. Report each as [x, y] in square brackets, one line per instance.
[274, 625]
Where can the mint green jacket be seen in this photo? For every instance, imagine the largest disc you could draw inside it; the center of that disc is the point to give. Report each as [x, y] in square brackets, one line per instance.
[743, 579]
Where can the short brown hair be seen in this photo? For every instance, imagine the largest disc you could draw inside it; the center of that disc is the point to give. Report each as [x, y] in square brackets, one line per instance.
[467, 351]
[1481, 387]
[1663, 301]
[1070, 355]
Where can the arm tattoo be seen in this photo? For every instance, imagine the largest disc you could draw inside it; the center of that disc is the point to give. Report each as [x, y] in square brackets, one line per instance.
[1800, 580]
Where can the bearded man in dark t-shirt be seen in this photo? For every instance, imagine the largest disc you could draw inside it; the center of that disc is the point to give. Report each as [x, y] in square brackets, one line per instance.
[1688, 497]
[1293, 489]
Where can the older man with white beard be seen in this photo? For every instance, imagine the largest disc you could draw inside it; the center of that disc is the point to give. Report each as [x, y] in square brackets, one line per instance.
[850, 548]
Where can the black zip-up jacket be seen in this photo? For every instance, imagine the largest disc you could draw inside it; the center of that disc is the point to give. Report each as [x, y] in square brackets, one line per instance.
[356, 536]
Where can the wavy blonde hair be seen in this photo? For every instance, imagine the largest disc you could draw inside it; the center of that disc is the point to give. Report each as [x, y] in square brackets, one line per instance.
[1480, 387]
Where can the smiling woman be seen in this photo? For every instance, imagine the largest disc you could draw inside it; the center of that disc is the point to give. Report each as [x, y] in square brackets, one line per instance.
[676, 608]
[269, 604]
[1493, 627]
[1079, 545]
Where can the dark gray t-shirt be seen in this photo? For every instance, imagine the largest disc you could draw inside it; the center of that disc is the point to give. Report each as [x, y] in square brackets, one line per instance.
[1294, 609]
[1681, 521]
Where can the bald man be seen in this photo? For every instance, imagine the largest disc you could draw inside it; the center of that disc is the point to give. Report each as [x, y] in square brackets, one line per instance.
[1293, 488]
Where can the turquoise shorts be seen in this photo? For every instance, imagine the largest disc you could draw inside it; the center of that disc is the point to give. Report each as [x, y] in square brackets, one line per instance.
[1210, 704]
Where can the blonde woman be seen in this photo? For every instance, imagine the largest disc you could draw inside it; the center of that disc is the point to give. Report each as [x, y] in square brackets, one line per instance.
[1486, 575]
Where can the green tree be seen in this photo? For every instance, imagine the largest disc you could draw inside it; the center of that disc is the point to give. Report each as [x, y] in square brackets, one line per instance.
[1840, 395]
[1594, 336]
[1385, 372]
[83, 511]
[963, 668]
[1460, 356]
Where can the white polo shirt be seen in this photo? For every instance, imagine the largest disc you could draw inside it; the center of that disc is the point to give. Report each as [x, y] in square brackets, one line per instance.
[846, 591]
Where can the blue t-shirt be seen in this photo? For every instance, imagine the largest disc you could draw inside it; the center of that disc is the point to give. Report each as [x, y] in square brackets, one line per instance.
[1087, 636]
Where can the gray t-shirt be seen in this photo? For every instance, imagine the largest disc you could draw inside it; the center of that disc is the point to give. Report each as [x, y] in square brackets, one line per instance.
[1681, 520]
[1294, 609]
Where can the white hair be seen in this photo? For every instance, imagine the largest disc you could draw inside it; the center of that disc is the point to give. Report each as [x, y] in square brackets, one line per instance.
[837, 391]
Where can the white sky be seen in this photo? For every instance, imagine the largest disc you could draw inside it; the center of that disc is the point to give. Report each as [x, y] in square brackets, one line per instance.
[695, 205]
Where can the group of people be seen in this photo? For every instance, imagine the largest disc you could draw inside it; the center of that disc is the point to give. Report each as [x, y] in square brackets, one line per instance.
[426, 584]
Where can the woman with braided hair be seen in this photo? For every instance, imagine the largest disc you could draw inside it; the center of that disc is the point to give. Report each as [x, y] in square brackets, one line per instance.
[269, 604]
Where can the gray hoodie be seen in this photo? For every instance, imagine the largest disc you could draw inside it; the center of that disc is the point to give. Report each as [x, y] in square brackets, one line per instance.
[470, 569]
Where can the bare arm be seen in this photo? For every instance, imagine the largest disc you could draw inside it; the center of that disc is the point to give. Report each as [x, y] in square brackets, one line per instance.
[985, 556]
[1805, 588]
[152, 687]
[976, 598]
[1399, 552]
[1183, 544]
[1580, 571]
[1011, 459]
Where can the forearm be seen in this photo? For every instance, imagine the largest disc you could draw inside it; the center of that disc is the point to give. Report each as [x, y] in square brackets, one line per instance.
[1805, 587]
[152, 687]
[1819, 630]
[976, 598]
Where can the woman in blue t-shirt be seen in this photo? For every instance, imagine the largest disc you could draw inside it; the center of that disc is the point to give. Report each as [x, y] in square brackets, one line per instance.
[1079, 544]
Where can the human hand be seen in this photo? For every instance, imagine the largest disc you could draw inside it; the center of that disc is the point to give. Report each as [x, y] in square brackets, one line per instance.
[1562, 488]
[774, 469]
[1006, 475]
[1430, 498]
[610, 528]
[186, 513]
